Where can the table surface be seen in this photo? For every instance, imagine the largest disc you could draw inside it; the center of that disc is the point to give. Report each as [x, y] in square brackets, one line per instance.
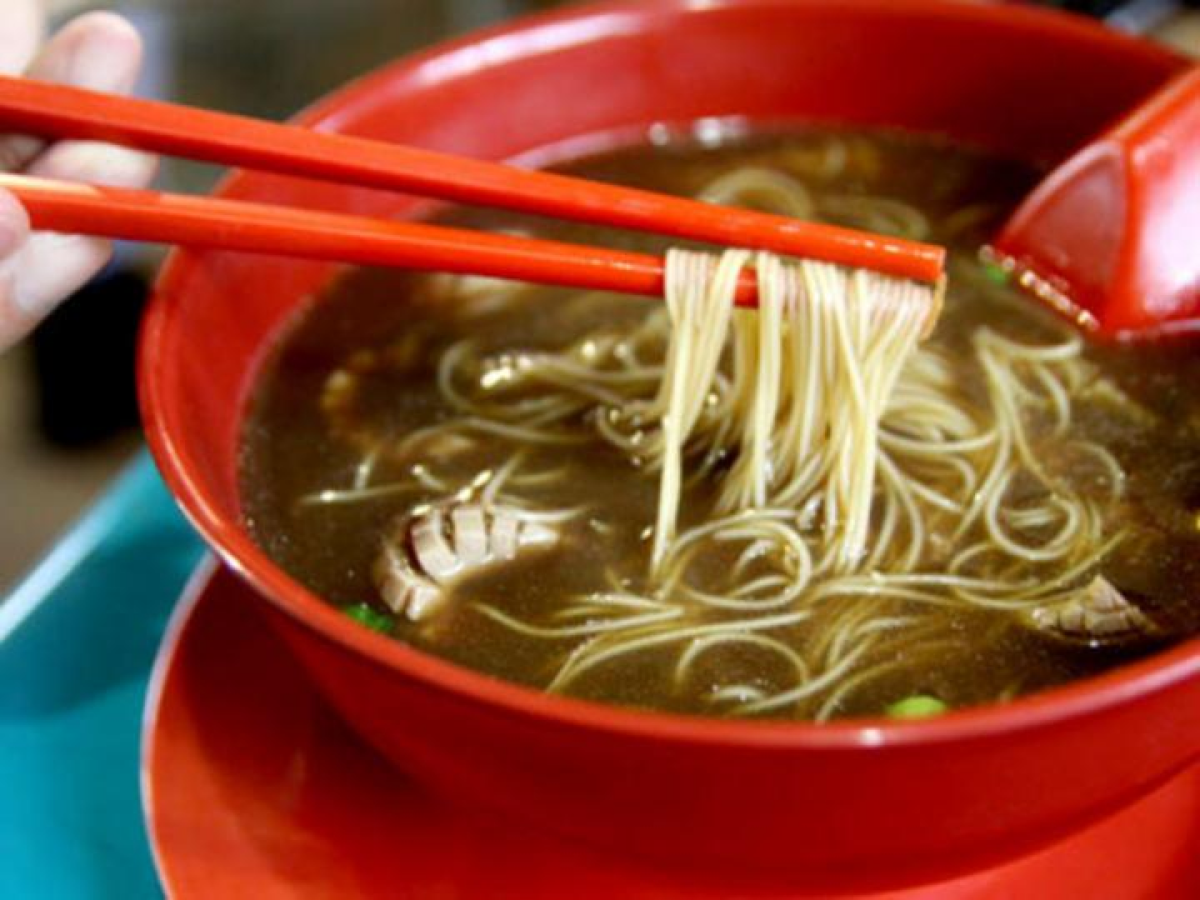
[77, 639]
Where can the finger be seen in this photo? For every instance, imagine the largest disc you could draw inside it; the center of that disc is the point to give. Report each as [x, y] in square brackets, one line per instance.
[95, 163]
[21, 29]
[15, 320]
[48, 267]
[98, 51]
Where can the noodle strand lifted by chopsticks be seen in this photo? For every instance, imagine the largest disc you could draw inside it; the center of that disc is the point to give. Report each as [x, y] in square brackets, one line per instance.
[813, 371]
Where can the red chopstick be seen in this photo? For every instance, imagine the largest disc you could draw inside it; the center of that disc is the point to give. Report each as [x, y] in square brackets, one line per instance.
[259, 228]
[57, 111]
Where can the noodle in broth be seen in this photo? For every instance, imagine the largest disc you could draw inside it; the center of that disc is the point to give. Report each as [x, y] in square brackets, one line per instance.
[844, 515]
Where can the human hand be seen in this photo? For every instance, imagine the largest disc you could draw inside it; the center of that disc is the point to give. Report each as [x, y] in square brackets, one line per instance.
[99, 51]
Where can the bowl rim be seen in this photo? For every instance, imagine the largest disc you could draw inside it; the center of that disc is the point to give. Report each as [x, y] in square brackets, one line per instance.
[560, 29]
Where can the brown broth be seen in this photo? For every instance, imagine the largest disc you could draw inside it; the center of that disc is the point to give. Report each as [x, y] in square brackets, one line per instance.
[394, 328]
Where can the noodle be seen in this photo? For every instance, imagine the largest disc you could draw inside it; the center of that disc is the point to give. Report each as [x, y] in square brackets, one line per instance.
[857, 478]
[812, 372]
[852, 450]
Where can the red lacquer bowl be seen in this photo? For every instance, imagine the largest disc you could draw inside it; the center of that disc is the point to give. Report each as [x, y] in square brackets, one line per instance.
[868, 803]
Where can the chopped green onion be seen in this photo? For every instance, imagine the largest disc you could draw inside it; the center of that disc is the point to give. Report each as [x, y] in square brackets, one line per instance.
[918, 706]
[995, 272]
[368, 616]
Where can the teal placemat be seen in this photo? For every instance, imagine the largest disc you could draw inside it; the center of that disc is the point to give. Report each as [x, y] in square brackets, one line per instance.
[77, 639]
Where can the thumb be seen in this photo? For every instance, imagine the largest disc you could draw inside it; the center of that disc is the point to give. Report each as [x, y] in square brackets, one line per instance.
[15, 320]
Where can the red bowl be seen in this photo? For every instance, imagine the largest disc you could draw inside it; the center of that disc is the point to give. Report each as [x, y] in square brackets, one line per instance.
[868, 802]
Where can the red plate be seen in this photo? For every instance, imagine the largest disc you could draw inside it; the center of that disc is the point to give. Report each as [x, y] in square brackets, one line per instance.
[253, 788]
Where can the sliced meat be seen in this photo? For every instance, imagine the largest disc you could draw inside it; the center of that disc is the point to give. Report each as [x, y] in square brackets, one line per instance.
[405, 591]
[1098, 612]
[470, 535]
[435, 556]
[506, 531]
[426, 553]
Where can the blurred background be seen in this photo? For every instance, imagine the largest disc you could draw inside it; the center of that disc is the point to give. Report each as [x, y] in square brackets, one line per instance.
[68, 420]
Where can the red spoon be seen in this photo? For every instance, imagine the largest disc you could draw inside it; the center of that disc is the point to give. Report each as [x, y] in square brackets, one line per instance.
[1112, 236]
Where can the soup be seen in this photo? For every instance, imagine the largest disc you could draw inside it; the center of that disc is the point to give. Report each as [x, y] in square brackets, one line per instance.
[473, 467]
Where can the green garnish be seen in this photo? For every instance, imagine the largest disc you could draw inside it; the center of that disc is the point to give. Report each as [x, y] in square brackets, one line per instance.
[366, 615]
[918, 706]
[995, 273]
